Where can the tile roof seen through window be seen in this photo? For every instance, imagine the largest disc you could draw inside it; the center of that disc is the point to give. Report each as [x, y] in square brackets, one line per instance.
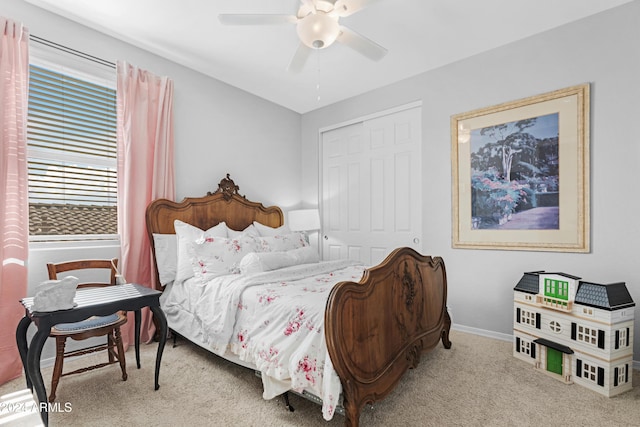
[60, 219]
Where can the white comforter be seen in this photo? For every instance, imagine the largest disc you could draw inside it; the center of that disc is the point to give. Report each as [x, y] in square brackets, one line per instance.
[275, 321]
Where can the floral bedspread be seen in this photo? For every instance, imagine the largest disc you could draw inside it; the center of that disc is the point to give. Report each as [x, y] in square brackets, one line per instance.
[275, 320]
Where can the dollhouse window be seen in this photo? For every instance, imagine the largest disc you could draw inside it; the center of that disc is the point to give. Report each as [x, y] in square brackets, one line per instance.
[588, 335]
[588, 311]
[526, 347]
[622, 338]
[621, 375]
[589, 372]
[592, 373]
[555, 326]
[528, 318]
[556, 289]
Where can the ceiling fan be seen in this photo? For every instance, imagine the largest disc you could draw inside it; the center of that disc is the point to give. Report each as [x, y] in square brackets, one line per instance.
[318, 27]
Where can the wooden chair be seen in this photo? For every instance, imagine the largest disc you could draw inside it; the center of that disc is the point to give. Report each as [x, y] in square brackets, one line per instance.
[92, 327]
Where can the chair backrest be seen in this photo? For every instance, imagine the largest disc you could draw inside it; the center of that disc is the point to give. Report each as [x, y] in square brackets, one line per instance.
[85, 264]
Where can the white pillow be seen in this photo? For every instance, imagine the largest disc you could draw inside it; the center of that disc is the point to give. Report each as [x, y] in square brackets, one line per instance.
[266, 261]
[251, 230]
[187, 234]
[281, 243]
[166, 248]
[216, 256]
[267, 231]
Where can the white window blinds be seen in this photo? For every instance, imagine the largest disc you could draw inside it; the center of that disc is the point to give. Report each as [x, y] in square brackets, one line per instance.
[72, 153]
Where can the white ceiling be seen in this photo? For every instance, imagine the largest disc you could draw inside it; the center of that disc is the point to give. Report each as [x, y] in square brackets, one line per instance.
[420, 35]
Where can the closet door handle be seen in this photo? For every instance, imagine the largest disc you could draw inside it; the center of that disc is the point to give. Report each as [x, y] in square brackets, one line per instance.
[326, 237]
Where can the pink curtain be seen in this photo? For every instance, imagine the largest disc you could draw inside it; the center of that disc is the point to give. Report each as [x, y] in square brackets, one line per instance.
[14, 205]
[145, 171]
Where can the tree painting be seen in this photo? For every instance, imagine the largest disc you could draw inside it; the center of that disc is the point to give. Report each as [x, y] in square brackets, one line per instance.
[515, 175]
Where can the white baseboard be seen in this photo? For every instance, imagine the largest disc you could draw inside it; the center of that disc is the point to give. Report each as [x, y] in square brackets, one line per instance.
[500, 336]
[50, 361]
[482, 332]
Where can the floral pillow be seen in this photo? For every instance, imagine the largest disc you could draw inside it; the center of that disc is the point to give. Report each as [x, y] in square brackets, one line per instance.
[251, 230]
[281, 243]
[266, 231]
[257, 262]
[216, 256]
[187, 234]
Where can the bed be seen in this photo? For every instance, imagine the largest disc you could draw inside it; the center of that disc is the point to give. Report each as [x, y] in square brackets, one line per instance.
[357, 329]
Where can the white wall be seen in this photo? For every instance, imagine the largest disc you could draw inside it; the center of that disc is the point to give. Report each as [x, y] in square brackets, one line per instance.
[219, 129]
[602, 50]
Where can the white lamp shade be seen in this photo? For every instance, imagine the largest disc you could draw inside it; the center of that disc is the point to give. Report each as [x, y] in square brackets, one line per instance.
[304, 220]
[318, 30]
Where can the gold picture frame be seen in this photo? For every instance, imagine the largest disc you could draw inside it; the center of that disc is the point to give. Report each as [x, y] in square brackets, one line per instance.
[521, 174]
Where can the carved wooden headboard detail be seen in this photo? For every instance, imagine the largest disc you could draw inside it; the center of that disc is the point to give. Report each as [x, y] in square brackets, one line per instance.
[225, 204]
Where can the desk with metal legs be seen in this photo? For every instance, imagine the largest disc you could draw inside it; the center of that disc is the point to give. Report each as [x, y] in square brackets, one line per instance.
[90, 302]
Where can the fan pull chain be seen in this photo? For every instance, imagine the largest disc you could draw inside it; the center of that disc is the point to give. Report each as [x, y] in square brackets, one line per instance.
[318, 72]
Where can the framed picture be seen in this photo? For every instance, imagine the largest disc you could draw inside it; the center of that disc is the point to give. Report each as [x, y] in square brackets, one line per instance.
[521, 174]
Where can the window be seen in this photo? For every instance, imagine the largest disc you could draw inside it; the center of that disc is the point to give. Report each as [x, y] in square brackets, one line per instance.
[592, 373]
[71, 149]
[589, 371]
[555, 326]
[622, 338]
[556, 288]
[587, 335]
[528, 318]
[621, 375]
[525, 347]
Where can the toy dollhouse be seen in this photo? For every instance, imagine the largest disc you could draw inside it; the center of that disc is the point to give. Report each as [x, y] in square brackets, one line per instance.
[576, 331]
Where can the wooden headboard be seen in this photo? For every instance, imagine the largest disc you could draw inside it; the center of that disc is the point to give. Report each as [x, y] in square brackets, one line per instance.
[224, 204]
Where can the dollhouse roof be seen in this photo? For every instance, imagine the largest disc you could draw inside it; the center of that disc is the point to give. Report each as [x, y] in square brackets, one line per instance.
[614, 296]
[554, 345]
[528, 283]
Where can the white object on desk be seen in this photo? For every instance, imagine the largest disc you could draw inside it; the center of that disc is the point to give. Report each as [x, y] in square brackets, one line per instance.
[53, 295]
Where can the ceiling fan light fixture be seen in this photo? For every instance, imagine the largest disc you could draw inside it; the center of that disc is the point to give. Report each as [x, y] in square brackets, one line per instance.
[318, 30]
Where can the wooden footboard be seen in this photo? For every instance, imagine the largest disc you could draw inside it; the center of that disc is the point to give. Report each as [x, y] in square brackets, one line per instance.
[376, 329]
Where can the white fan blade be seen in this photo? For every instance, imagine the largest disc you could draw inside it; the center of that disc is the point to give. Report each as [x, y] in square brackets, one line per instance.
[348, 7]
[361, 44]
[249, 19]
[299, 58]
[310, 4]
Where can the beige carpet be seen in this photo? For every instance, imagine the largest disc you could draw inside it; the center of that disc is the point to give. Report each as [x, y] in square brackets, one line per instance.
[475, 383]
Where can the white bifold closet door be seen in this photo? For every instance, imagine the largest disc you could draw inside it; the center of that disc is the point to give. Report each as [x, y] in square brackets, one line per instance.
[372, 187]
